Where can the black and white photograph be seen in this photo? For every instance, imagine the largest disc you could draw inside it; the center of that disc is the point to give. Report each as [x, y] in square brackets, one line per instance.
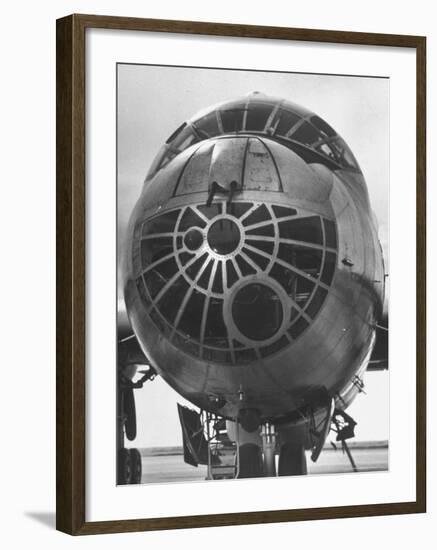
[223, 209]
[252, 274]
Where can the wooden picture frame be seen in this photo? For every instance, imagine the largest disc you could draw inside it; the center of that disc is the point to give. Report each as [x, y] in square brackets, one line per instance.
[71, 253]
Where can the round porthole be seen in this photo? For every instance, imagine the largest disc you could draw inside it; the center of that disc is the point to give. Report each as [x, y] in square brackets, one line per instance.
[257, 311]
[224, 236]
[193, 239]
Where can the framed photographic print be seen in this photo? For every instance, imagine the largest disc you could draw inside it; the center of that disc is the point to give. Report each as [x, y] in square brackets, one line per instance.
[240, 274]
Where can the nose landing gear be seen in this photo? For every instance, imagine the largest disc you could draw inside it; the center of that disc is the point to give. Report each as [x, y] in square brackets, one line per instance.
[129, 462]
[292, 459]
[269, 442]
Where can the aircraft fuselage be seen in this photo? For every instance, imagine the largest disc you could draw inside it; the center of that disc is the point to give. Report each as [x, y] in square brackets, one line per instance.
[253, 275]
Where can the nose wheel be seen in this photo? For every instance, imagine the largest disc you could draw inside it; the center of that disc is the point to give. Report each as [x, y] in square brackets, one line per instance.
[251, 461]
[124, 467]
[257, 461]
[292, 460]
[129, 467]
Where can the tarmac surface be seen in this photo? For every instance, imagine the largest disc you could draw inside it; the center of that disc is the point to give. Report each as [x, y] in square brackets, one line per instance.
[169, 466]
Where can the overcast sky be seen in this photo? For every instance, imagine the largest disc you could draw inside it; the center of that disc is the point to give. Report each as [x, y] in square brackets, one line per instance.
[154, 101]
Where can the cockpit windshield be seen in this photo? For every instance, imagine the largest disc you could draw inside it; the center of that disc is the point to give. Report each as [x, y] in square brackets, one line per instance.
[261, 115]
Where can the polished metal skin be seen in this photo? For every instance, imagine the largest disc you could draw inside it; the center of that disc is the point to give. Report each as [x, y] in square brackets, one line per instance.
[253, 275]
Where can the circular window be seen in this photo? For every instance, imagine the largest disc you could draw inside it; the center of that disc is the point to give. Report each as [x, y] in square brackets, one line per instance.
[257, 311]
[193, 239]
[224, 236]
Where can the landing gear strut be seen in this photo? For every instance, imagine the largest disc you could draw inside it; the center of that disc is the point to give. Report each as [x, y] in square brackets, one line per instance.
[292, 460]
[129, 463]
[231, 450]
[269, 439]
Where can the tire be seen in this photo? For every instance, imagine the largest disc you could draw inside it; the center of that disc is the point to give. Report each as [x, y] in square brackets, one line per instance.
[130, 413]
[124, 467]
[292, 460]
[251, 464]
[136, 466]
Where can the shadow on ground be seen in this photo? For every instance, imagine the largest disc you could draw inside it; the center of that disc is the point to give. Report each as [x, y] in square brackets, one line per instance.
[45, 518]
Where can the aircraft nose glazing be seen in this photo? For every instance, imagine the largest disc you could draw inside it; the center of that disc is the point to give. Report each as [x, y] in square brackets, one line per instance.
[233, 282]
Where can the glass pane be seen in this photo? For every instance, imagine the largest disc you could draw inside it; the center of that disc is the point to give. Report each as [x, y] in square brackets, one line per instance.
[305, 259]
[328, 151]
[185, 257]
[342, 154]
[157, 277]
[186, 138]
[210, 211]
[285, 277]
[261, 261]
[329, 267]
[167, 269]
[194, 268]
[257, 311]
[190, 219]
[155, 249]
[304, 288]
[297, 287]
[302, 229]
[192, 317]
[293, 314]
[193, 239]
[204, 278]
[176, 133]
[330, 234]
[169, 304]
[245, 268]
[265, 246]
[154, 282]
[165, 223]
[316, 302]
[257, 116]
[224, 236]
[207, 126]
[283, 211]
[323, 126]
[263, 231]
[231, 274]
[261, 214]
[217, 285]
[216, 334]
[237, 209]
[284, 121]
[232, 119]
[306, 134]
